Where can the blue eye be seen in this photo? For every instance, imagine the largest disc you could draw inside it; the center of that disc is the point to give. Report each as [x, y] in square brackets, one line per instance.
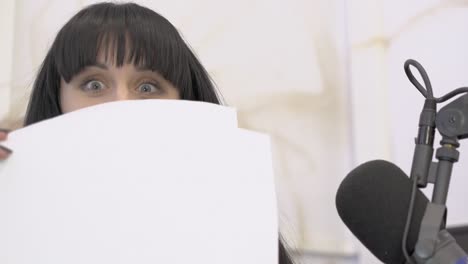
[93, 86]
[147, 88]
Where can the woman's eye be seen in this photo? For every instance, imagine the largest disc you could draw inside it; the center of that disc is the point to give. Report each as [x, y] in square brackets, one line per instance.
[93, 86]
[147, 88]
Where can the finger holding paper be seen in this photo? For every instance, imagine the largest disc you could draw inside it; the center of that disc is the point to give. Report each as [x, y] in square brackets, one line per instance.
[4, 151]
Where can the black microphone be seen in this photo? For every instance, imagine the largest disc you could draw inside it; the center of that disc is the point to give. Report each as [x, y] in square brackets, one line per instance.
[373, 202]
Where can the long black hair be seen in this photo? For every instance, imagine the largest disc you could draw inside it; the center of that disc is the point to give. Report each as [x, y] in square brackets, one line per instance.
[124, 33]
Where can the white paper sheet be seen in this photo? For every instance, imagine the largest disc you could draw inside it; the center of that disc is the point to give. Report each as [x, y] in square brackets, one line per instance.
[168, 182]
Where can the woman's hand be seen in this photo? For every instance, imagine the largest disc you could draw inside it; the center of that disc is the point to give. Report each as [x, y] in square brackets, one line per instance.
[4, 151]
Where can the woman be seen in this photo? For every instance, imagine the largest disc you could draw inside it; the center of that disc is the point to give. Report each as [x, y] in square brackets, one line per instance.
[109, 52]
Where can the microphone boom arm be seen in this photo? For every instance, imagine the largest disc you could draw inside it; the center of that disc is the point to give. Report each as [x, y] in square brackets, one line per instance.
[435, 245]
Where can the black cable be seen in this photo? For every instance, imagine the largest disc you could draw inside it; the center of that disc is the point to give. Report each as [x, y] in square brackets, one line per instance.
[452, 94]
[426, 92]
[408, 222]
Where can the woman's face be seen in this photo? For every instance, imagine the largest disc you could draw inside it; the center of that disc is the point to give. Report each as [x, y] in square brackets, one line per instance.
[105, 82]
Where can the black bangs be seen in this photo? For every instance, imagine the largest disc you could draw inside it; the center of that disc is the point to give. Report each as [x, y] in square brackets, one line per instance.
[119, 34]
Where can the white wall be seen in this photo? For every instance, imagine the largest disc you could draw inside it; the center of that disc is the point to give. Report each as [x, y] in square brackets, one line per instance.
[6, 51]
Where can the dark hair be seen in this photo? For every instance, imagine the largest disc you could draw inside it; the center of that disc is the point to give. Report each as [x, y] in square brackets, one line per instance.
[284, 256]
[124, 33]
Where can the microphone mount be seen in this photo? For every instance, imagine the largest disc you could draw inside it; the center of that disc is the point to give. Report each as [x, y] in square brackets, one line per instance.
[435, 245]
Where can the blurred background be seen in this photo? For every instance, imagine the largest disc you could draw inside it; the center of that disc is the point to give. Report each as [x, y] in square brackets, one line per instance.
[323, 77]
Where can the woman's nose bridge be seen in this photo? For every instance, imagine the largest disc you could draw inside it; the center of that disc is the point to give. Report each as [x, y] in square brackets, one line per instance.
[122, 91]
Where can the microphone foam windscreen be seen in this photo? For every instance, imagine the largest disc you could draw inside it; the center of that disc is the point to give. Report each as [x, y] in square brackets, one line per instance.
[373, 202]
